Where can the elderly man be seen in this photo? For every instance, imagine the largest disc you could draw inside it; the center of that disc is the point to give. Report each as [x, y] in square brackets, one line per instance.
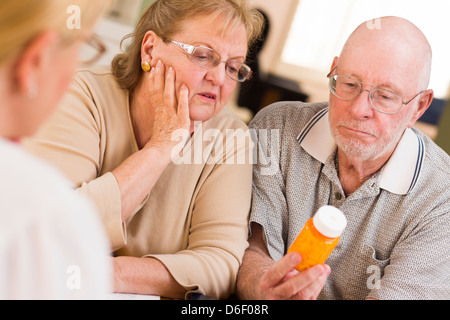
[359, 153]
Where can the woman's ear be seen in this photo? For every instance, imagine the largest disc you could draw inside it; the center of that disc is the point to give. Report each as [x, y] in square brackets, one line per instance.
[33, 63]
[149, 41]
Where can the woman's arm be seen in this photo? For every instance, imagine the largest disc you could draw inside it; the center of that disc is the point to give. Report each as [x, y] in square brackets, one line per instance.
[145, 276]
[152, 159]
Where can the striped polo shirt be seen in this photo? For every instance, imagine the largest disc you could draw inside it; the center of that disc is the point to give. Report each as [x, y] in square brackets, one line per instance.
[396, 244]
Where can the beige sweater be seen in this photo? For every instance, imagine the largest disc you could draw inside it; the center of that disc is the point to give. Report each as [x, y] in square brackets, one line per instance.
[195, 218]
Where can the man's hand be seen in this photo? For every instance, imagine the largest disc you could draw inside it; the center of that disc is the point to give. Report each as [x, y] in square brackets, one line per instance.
[282, 281]
[261, 278]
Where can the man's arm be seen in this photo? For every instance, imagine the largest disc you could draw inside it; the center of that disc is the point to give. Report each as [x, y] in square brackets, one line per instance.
[255, 263]
[261, 278]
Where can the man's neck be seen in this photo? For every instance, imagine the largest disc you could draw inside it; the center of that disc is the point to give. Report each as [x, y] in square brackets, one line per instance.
[353, 171]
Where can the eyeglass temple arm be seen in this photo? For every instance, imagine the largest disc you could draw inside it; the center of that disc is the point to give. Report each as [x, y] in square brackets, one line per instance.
[329, 75]
[409, 101]
[186, 47]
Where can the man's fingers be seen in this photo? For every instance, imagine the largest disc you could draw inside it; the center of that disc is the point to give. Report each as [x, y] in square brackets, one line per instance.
[306, 285]
[317, 277]
[280, 269]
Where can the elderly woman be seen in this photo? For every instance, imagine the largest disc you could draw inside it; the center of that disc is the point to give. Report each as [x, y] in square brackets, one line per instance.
[147, 141]
[52, 244]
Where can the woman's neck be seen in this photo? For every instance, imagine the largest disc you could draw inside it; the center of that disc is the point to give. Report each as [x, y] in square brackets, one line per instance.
[7, 107]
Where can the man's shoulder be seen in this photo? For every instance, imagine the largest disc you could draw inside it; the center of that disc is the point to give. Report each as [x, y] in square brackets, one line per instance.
[436, 162]
[286, 113]
[434, 154]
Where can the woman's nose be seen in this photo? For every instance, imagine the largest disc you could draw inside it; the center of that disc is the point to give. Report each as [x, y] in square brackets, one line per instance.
[217, 74]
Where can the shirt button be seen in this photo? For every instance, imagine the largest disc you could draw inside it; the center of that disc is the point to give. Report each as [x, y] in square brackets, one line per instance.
[338, 196]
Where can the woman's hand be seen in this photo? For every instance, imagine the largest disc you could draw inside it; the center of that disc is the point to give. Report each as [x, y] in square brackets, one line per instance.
[170, 115]
[158, 120]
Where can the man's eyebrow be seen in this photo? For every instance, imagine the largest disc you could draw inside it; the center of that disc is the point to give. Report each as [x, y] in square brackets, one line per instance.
[382, 85]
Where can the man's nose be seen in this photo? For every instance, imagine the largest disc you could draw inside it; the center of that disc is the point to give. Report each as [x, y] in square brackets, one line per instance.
[360, 107]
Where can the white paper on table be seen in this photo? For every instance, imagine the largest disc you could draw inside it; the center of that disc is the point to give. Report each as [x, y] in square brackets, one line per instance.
[127, 296]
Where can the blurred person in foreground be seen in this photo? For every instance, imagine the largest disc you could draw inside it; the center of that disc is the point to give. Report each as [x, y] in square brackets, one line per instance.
[361, 154]
[176, 224]
[52, 244]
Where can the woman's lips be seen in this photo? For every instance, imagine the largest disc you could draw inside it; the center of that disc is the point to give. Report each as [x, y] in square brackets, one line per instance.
[208, 96]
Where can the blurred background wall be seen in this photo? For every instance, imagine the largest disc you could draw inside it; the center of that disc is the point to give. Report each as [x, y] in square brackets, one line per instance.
[303, 37]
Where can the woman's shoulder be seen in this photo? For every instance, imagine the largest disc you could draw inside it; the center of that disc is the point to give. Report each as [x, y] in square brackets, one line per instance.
[34, 190]
[98, 78]
[29, 183]
[225, 119]
[26, 167]
[97, 89]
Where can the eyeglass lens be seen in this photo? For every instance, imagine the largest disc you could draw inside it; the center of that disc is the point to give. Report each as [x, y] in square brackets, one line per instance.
[382, 100]
[209, 58]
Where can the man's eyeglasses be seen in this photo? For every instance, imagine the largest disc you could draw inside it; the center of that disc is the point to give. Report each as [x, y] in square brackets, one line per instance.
[382, 100]
[208, 58]
[91, 51]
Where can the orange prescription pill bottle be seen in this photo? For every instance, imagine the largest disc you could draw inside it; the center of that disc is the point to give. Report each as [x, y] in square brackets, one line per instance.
[319, 237]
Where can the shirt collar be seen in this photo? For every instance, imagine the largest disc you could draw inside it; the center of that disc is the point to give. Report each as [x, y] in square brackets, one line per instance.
[399, 175]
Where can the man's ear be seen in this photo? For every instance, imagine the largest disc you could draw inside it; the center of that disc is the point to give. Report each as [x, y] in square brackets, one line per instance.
[31, 64]
[425, 100]
[334, 64]
[148, 43]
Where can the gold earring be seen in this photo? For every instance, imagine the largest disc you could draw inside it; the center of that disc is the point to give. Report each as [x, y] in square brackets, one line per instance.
[146, 66]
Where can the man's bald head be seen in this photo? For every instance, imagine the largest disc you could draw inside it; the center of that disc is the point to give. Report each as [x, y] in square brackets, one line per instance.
[396, 43]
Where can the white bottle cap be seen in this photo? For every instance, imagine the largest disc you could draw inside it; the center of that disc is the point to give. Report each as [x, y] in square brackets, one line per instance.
[330, 221]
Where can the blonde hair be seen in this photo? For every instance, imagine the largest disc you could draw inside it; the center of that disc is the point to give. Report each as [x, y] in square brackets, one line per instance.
[164, 17]
[23, 20]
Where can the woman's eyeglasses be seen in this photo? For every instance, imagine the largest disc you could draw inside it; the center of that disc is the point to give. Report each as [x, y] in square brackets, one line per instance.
[208, 58]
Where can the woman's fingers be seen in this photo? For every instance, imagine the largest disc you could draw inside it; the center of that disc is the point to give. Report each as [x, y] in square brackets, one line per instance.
[157, 81]
[169, 90]
[183, 105]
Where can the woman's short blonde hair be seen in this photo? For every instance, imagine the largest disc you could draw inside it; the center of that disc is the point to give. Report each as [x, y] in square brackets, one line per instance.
[23, 20]
[164, 17]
